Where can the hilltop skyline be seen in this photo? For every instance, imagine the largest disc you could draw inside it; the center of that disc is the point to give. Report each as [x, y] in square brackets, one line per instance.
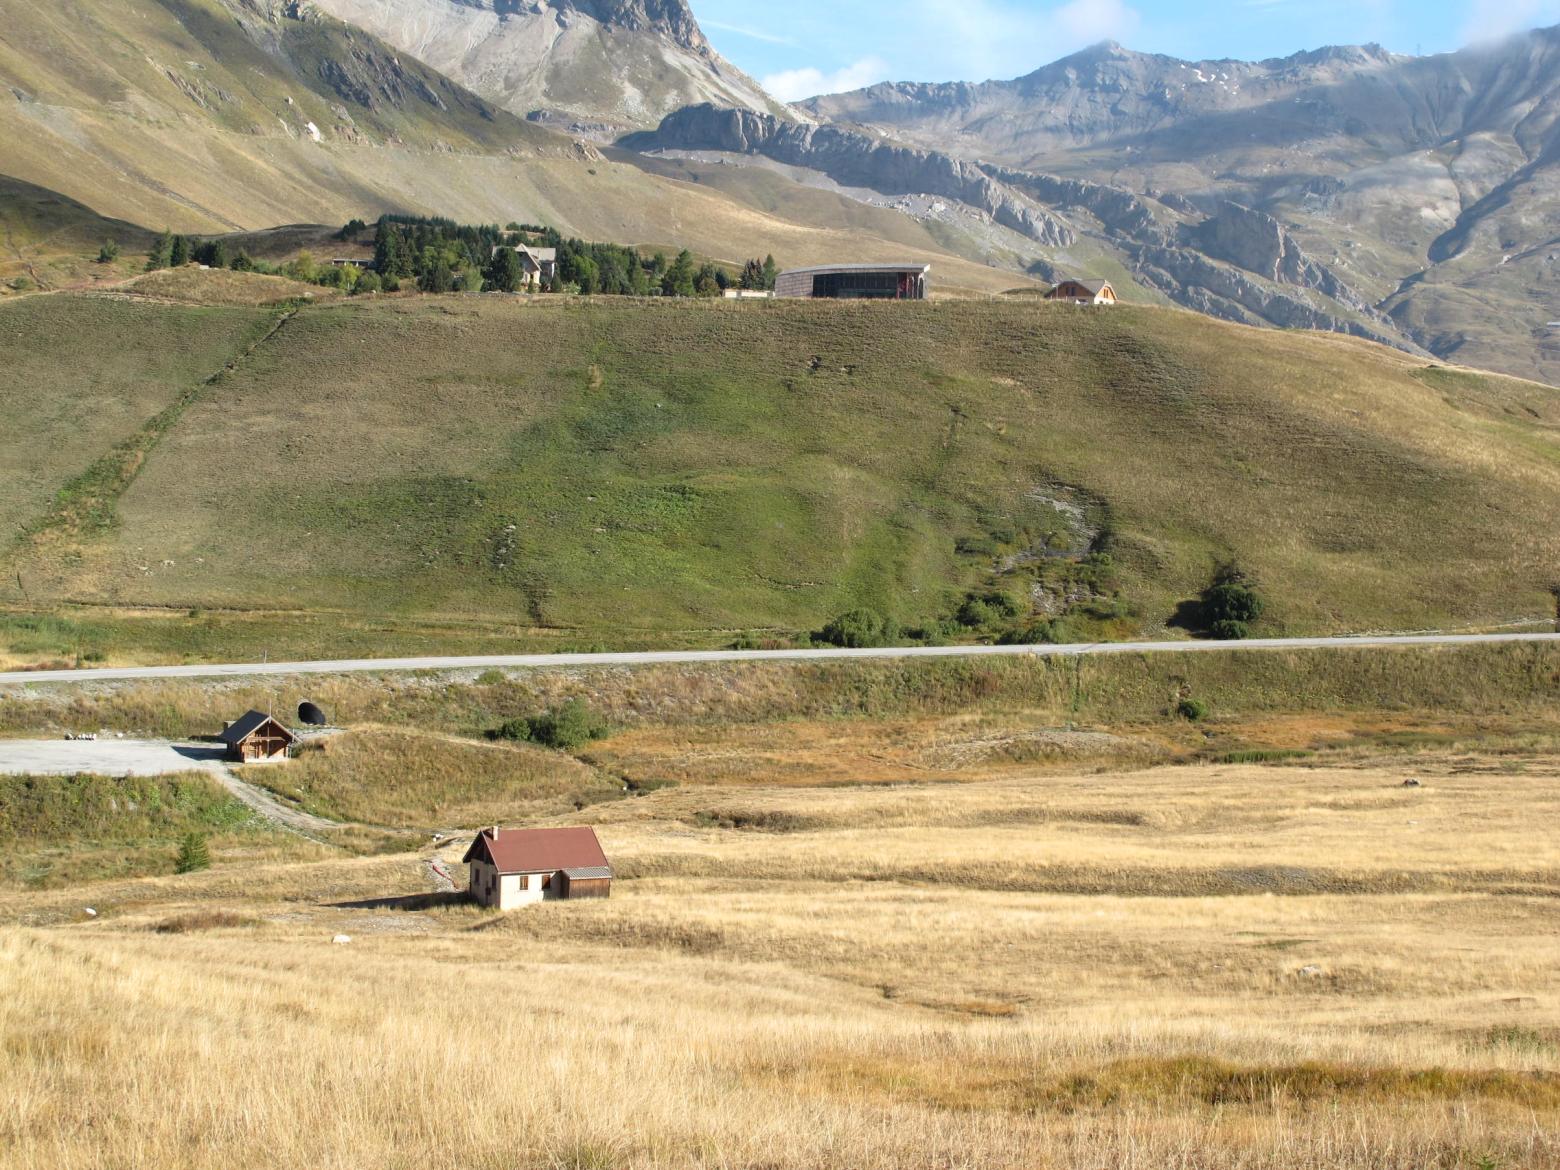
[852, 45]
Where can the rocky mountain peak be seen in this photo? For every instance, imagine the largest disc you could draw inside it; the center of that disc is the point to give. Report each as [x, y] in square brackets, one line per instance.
[672, 19]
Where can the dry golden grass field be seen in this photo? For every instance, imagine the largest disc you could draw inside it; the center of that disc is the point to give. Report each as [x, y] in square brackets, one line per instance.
[962, 937]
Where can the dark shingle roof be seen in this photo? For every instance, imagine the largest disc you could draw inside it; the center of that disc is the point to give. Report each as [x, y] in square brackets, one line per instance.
[241, 729]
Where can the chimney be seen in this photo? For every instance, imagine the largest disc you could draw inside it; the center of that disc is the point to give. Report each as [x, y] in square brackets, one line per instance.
[495, 832]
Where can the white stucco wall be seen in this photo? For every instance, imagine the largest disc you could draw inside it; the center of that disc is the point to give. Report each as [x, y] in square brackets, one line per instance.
[521, 889]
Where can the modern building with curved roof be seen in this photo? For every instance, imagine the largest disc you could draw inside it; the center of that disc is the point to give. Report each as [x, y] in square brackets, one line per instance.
[855, 282]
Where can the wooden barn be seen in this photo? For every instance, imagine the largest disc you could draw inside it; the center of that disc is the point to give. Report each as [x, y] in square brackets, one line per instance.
[1083, 292]
[257, 739]
[520, 867]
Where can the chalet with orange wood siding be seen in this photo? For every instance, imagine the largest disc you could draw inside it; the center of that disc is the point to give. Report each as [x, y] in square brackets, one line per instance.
[1083, 292]
[257, 738]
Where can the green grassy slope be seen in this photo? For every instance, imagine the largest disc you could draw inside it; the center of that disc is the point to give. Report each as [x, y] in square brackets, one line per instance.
[83, 374]
[656, 471]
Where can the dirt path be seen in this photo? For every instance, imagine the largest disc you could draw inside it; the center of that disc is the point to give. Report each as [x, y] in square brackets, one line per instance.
[266, 805]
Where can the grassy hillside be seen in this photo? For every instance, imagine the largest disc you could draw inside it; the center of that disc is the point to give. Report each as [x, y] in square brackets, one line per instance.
[657, 470]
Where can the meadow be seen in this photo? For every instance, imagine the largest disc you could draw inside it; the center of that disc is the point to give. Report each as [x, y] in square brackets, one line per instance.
[1196, 966]
[479, 472]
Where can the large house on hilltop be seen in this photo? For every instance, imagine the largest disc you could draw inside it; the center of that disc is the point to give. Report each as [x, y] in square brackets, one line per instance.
[538, 266]
[1083, 292]
[519, 867]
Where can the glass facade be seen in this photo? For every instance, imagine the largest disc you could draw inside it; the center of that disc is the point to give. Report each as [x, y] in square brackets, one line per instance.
[887, 286]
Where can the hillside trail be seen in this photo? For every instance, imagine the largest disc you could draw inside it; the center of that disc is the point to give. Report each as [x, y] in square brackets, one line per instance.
[262, 802]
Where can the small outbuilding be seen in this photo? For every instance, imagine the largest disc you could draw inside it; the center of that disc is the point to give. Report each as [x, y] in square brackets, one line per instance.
[518, 867]
[257, 738]
[1083, 292]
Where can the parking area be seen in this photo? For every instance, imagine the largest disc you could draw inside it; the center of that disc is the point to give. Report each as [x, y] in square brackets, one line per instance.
[105, 757]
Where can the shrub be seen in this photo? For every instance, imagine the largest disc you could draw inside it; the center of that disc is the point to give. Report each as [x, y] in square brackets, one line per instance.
[109, 252]
[985, 609]
[1192, 710]
[858, 630]
[570, 727]
[1229, 630]
[193, 854]
[1232, 598]
[491, 677]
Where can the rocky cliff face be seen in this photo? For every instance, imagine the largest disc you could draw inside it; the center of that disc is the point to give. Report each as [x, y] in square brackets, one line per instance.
[855, 160]
[594, 67]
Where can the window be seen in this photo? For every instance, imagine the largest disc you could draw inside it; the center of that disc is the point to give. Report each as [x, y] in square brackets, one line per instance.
[547, 882]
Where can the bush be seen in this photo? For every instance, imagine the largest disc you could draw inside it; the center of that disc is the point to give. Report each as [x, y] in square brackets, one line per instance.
[1192, 710]
[193, 854]
[109, 252]
[1232, 597]
[986, 609]
[1229, 630]
[571, 726]
[859, 629]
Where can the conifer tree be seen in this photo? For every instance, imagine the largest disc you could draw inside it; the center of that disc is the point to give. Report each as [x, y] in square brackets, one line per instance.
[193, 854]
[161, 253]
[771, 271]
[504, 272]
[179, 254]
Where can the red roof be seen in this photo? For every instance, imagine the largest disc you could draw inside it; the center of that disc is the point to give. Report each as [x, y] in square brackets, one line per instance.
[538, 850]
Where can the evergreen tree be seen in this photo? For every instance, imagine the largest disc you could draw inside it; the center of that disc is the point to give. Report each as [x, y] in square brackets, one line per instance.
[504, 272]
[771, 270]
[193, 854]
[753, 275]
[179, 254]
[680, 277]
[438, 278]
[390, 258]
[161, 253]
[243, 262]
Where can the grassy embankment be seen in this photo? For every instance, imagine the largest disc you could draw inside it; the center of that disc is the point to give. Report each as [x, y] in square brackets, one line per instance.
[67, 831]
[461, 474]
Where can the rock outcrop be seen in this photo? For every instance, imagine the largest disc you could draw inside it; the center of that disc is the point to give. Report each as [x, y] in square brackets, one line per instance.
[602, 66]
[856, 160]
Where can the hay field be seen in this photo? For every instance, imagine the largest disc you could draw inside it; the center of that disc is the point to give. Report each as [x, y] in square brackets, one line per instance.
[1195, 966]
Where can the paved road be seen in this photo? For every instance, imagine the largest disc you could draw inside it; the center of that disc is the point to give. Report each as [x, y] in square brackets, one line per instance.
[692, 657]
[106, 757]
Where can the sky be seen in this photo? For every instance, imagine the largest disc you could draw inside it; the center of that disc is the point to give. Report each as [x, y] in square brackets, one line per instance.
[799, 48]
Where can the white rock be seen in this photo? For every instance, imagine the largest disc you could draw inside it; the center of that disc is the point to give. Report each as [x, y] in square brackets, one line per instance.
[91, 913]
[1309, 972]
[342, 940]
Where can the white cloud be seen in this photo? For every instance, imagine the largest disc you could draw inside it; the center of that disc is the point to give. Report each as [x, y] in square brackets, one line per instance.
[743, 30]
[792, 85]
[1490, 20]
